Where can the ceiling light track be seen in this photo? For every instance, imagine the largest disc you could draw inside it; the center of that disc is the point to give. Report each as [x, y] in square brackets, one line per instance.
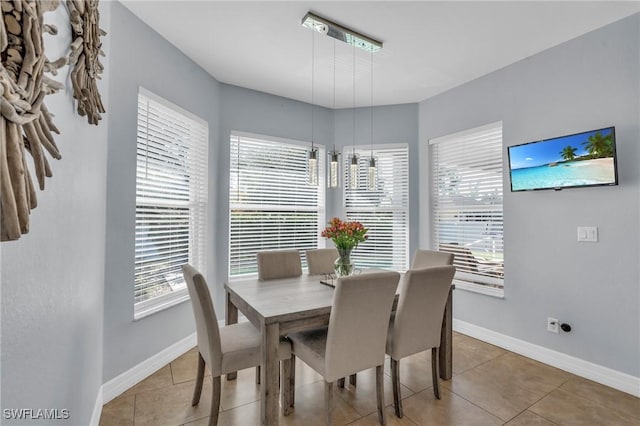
[337, 31]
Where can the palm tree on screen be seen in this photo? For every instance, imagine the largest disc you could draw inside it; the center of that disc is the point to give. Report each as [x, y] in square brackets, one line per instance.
[599, 146]
[568, 152]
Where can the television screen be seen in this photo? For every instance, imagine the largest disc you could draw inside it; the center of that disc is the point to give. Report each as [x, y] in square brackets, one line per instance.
[582, 159]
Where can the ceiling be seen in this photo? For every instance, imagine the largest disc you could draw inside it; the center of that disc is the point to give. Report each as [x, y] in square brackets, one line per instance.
[429, 47]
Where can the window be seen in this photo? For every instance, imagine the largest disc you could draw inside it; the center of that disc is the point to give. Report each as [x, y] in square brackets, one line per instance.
[385, 211]
[466, 204]
[271, 206]
[171, 201]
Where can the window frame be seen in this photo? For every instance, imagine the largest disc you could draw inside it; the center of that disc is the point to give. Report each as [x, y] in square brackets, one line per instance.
[197, 203]
[320, 208]
[364, 153]
[478, 283]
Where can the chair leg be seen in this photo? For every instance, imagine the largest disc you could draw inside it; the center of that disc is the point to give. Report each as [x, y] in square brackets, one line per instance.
[434, 372]
[257, 375]
[328, 402]
[395, 379]
[215, 402]
[382, 417]
[197, 391]
[341, 383]
[353, 379]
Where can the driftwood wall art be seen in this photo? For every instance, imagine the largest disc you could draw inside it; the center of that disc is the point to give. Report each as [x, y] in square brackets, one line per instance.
[26, 125]
[85, 52]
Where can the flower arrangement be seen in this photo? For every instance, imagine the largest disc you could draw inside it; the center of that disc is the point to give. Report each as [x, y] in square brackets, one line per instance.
[344, 234]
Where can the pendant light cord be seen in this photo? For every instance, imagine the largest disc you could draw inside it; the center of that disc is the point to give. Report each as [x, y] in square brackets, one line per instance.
[313, 69]
[371, 61]
[354, 102]
[334, 87]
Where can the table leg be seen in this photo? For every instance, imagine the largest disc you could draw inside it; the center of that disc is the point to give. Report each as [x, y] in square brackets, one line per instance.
[270, 383]
[446, 340]
[231, 317]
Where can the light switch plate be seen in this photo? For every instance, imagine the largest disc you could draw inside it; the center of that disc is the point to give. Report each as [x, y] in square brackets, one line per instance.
[588, 234]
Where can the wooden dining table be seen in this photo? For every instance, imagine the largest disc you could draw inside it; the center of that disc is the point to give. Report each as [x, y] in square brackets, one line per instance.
[281, 306]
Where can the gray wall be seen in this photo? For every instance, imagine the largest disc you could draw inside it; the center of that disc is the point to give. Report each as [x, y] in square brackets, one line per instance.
[143, 58]
[586, 83]
[52, 278]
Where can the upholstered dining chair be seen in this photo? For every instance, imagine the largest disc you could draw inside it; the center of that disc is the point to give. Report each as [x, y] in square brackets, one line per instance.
[225, 349]
[321, 261]
[428, 258]
[278, 264]
[417, 322]
[275, 264]
[356, 335]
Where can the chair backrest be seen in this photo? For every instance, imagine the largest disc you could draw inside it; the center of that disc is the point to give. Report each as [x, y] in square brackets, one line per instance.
[206, 320]
[278, 264]
[359, 322]
[418, 320]
[321, 261]
[430, 258]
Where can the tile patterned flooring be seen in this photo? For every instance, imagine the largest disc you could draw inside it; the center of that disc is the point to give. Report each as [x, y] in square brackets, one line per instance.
[490, 386]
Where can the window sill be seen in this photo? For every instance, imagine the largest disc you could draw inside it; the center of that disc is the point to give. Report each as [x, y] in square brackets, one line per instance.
[479, 288]
[160, 303]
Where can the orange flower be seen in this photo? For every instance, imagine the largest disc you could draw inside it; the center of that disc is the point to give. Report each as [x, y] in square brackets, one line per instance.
[345, 234]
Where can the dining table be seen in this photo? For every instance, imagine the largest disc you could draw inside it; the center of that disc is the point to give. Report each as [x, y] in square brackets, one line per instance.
[282, 306]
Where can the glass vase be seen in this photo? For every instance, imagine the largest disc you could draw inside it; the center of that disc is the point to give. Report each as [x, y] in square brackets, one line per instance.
[343, 265]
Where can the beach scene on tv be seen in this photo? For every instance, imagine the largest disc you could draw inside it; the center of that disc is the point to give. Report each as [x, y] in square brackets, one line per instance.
[575, 160]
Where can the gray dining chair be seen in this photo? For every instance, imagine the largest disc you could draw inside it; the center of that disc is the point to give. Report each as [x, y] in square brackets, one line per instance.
[356, 335]
[417, 322]
[428, 258]
[276, 264]
[224, 349]
[321, 261]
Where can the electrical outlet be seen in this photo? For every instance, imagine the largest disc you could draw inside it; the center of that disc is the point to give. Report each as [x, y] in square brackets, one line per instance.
[552, 325]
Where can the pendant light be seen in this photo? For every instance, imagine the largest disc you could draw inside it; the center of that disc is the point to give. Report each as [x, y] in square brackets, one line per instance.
[355, 40]
[312, 154]
[333, 156]
[372, 172]
[353, 158]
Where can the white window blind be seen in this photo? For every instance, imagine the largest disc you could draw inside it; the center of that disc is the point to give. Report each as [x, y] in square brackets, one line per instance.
[171, 201]
[384, 211]
[271, 206]
[467, 203]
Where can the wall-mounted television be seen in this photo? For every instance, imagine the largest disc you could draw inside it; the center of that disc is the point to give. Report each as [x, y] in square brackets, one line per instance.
[571, 161]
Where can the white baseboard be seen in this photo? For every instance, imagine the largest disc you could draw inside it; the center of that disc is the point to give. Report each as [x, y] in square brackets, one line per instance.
[603, 375]
[137, 373]
[97, 409]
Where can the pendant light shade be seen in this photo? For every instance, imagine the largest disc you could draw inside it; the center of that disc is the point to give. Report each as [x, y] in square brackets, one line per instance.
[333, 169]
[353, 171]
[312, 167]
[372, 174]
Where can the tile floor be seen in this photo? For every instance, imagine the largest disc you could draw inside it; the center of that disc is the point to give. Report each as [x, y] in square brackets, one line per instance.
[490, 386]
